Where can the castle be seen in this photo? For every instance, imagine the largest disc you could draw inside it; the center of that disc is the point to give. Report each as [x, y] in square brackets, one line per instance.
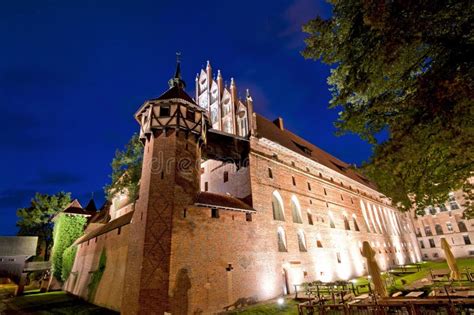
[231, 207]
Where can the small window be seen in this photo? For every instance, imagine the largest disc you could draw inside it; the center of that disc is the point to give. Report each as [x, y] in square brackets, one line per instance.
[449, 226]
[422, 245]
[342, 198]
[471, 253]
[462, 226]
[281, 240]
[294, 180]
[331, 221]
[320, 175]
[432, 243]
[206, 186]
[346, 224]
[435, 255]
[310, 218]
[338, 256]
[309, 186]
[428, 231]
[190, 114]
[438, 229]
[467, 240]
[325, 192]
[270, 174]
[293, 163]
[352, 201]
[301, 241]
[119, 230]
[226, 177]
[165, 111]
[203, 170]
[356, 226]
[319, 244]
[215, 213]
[248, 217]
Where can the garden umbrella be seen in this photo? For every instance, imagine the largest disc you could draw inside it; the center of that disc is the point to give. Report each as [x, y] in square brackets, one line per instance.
[374, 270]
[455, 275]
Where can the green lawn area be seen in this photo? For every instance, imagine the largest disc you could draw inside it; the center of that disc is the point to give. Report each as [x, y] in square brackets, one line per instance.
[289, 307]
[51, 303]
[270, 307]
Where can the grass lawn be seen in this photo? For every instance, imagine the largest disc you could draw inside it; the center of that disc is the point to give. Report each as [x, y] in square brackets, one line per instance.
[270, 307]
[289, 307]
[58, 302]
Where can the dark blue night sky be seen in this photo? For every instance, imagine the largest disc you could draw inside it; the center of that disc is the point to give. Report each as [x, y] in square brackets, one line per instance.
[72, 74]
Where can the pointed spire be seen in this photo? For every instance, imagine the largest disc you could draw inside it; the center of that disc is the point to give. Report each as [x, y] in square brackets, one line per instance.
[177, 81]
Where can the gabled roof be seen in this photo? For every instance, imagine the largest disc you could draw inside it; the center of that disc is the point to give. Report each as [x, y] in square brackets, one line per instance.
[75, 208]
[267, 129]
[211, 200]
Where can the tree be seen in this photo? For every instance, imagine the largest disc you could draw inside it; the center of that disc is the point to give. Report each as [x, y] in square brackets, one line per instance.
[403, 78]
[67, 229]
[126, 170]
[36, 219]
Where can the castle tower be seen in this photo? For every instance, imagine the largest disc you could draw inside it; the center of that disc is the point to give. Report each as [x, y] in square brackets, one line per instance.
[173, 128]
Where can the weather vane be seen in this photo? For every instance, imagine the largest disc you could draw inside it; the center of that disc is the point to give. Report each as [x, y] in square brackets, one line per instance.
[178, 56]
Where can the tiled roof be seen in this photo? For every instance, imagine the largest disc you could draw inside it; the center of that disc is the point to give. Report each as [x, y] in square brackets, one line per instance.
[112, 225]
[267, 129]
[210, 200]
[75, 208]
[175, 92]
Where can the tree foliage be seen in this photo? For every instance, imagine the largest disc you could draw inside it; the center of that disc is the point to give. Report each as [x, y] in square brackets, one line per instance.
[404, 70]
[67, 229]
[126, 170]
[35, 220]
[68, 261]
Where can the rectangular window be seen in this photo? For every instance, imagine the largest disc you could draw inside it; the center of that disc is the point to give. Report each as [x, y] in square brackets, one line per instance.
[422, 245]
[310, 218]
[190, 114]
[471, 253]
[119, 230]
[226, 177]
[309, 186]
[165, 111]
[325, 192]
[294, 180]
[215, 213]
[338, 256]
[428, 231]
[248, 217]
[319, 244]
[435, 255]
[342, 198]
[206, 186]
[467, 240]
[270, 174]
[432, 243]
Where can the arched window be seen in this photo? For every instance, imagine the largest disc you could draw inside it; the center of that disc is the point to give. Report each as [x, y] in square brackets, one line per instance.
[331, 221]
[301, 241]
[364, 213]
[346, 223]
[318, 241]
[296, 210]
[354, 221]
[281, 240]
[310, 217]
[438, 229]
[277, 205]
